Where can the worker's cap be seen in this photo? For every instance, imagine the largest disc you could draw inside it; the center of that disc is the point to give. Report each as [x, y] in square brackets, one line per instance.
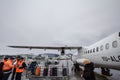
[86, 61]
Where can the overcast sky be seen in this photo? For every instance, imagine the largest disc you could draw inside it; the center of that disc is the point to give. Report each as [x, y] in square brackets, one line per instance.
[56, 22]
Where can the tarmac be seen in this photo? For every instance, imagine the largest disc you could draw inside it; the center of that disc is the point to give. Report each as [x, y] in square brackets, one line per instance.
[72, 75]
[77, 76]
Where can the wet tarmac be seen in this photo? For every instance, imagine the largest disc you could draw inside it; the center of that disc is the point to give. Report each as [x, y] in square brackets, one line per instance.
[77, 76]
[115, 74]
[72, 75]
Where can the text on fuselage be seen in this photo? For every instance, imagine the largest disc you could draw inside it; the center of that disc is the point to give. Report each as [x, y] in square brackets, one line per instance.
[111, 58]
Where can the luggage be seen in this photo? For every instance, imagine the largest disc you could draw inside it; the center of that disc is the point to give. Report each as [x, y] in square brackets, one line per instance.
[64, 71]
[55, 71]
[38, 71]
[51, 71]
[45, 72]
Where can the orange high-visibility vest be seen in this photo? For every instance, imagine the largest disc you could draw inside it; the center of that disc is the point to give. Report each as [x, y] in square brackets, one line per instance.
[7, 65]
[19, 63]
[4, 61]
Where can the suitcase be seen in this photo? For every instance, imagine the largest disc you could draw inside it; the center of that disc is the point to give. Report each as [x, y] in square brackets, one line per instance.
[45, 72]
[37, 71]
[64, 71]
[51, 71]
[55, 71]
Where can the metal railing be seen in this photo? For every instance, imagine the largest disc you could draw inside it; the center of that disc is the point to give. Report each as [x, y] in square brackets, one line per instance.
[59, 75]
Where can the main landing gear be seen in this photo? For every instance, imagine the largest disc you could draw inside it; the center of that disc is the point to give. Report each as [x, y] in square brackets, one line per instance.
[105, 71]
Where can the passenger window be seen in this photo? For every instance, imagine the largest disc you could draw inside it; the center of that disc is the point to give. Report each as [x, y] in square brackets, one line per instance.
[97, 49]
[101, 48]
[94, 50]
[107, 46]
[114, 44]
[88, 51]
[119, 34]
[91, 51]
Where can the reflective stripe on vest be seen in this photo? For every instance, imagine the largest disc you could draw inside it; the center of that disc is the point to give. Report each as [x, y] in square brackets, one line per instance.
[19, 65]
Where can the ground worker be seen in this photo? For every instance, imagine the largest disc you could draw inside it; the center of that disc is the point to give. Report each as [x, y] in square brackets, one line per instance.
[1, 67]
[7, 68]
[20, 68]
[1, 71]
[88, 73]
[76, 67]
[15, 65]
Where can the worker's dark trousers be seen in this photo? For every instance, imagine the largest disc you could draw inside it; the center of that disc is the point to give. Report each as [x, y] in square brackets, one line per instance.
[6, 76]
[1, 75]
[18, 76]
[13, 74]
[87, 79]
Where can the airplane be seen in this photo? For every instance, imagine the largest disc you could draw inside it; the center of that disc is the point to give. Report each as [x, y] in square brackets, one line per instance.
[104, 53]
[50, 58]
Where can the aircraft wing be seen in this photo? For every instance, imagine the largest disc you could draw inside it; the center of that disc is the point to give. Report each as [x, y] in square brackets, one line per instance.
[48, 47]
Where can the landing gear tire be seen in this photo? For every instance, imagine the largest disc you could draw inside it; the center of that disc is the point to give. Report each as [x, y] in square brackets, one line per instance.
[105, 71]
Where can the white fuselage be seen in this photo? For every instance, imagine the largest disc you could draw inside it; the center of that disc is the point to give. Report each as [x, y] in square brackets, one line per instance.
[104, 53]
